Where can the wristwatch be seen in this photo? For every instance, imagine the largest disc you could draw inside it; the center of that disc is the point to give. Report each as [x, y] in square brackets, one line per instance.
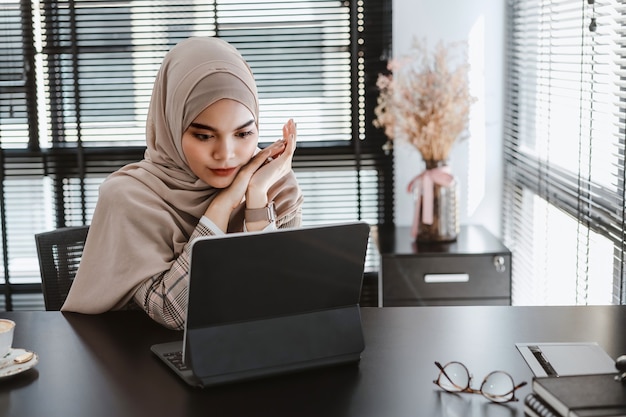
[267, 213]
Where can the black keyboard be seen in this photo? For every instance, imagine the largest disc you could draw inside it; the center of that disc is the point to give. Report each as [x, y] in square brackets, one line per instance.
[176, 359]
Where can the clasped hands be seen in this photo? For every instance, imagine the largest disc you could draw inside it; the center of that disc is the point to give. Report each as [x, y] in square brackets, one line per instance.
[264, 169]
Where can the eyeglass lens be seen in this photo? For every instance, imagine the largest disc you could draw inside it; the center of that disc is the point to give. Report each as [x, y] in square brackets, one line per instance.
[498, 386]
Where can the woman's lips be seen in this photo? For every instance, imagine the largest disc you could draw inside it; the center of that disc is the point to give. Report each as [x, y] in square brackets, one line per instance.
[223, 172]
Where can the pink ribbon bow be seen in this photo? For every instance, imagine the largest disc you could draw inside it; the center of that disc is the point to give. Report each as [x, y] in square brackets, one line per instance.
[424, 187]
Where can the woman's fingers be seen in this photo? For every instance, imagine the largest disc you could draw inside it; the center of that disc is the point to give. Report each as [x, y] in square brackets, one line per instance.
[289, 136]
[282, 147]
[273, 151]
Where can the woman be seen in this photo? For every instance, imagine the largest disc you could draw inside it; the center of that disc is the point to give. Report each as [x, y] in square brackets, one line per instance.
[202, 174]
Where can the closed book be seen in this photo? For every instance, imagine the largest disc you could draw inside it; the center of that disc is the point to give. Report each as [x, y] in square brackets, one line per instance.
[597, 395]
[535, 407]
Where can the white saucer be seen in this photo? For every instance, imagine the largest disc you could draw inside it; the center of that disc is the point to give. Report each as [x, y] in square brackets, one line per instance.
[8, 367]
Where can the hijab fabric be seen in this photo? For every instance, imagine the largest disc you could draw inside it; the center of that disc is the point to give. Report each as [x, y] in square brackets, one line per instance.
[147, 210]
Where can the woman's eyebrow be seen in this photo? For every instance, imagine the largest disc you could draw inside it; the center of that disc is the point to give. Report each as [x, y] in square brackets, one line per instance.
[207, 127]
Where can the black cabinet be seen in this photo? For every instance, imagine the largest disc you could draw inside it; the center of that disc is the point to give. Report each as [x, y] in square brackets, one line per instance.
[474, 270]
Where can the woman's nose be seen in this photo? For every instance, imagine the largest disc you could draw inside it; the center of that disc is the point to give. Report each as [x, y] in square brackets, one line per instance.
[223, 150]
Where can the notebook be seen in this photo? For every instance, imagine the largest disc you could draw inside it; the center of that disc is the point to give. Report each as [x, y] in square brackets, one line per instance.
[590, 395]
[267, 303]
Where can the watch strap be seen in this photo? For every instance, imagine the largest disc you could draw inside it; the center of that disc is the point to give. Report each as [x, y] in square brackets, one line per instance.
[267, 213]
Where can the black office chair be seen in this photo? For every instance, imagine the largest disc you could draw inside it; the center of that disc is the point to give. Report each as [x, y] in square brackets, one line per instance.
[59, 252]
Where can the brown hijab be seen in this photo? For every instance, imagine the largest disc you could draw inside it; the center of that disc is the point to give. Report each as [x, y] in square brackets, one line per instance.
[147, 210]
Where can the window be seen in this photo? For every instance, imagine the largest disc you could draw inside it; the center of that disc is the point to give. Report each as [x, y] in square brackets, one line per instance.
[75, 87]
[565, 133]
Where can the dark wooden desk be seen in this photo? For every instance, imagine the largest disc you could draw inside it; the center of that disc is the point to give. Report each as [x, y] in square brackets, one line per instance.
[101, 365]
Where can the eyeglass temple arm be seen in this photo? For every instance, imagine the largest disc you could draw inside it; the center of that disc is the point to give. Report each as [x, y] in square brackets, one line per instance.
[443, 371]
[520, 385]
[461, 389]
[515, 388]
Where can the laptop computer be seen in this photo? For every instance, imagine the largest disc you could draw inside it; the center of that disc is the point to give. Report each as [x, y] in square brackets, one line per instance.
[267, 303]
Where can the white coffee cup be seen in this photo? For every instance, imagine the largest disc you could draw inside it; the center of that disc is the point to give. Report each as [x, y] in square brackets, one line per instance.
[6, 336]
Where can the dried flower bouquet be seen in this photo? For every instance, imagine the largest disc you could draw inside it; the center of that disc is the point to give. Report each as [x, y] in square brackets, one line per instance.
[425, 101]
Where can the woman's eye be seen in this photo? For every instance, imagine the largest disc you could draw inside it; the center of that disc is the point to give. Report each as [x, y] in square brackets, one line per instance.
[202, 136]
[245, 134]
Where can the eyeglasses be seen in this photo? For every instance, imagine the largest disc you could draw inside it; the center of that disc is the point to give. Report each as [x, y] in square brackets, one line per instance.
[498, 386]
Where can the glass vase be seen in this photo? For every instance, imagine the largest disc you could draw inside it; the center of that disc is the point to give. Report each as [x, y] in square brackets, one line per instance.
[443, 225]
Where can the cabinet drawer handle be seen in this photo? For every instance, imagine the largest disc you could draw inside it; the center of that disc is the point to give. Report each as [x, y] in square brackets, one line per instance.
[439, 278]
[499, 263]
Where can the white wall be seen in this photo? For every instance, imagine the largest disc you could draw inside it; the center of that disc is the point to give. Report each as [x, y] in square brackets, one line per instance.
[477, 162]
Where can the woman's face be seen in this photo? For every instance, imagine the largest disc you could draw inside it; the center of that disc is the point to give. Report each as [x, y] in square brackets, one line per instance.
[220, 141]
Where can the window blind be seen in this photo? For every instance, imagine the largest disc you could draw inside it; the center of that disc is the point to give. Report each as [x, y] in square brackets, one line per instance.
[564, 149]
[76, 85]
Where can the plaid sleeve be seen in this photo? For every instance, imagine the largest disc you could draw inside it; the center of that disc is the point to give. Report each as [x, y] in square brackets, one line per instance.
[164, 296]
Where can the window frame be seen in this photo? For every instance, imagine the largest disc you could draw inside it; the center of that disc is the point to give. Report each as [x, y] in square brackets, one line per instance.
[370, 29]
